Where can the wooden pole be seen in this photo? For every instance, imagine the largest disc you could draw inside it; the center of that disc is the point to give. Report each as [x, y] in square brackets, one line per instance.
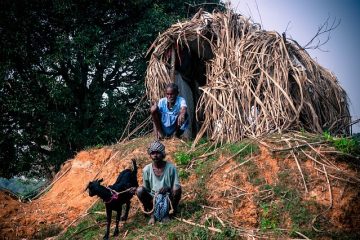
[172, 65]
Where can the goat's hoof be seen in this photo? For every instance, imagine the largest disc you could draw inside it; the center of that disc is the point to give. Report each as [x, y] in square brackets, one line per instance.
[116, 232]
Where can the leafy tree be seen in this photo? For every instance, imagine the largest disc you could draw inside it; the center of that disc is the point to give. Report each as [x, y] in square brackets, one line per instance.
[71, 72]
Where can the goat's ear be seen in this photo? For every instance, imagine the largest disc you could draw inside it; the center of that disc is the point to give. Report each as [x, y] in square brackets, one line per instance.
[100, 180]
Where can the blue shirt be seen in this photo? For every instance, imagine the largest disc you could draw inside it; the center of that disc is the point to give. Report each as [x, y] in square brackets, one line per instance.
[169, 116]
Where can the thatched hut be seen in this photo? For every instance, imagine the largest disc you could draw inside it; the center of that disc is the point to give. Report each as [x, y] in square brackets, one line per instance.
[240, 80]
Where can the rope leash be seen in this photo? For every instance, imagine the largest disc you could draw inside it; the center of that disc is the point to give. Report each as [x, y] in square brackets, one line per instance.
[142, 207]
[115, 194]
[171, 211]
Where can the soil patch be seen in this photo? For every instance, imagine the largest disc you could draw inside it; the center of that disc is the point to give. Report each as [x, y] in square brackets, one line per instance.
[234, 192]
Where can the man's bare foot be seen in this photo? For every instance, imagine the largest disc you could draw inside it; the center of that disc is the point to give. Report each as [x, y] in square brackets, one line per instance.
[166, 219]
[159, 135]
[152, 220]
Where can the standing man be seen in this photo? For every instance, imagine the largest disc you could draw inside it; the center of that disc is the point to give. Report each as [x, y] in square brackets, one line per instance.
[169, 115]
[160, 178]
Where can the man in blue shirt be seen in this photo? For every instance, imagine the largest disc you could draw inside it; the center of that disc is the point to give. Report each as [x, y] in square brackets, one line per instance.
[169, 115]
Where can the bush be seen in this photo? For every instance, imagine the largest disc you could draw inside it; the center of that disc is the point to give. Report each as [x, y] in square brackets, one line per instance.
[348, 145]
[182, 158]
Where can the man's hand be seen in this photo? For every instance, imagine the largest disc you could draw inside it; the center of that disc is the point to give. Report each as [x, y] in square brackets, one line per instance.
[181, 119]
[164, 190]
[132, 190]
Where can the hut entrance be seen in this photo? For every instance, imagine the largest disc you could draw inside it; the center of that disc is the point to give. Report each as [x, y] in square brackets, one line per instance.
[190, 66]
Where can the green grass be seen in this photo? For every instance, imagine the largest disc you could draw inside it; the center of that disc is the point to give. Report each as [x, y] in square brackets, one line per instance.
[182, 158]
[183, 174]
[185, 154]
[286, 204]
[48, 231]
[253, 174]
[98, 207]
[348, 145]
[87, 229]
[138, 228]
[243, 149]
[270, 216]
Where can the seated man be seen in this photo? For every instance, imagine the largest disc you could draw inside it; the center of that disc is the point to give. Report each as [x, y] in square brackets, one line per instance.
[169, 115]
[160, 178]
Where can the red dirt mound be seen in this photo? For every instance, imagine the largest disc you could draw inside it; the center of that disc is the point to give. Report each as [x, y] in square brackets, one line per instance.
[236, 195]
[67, 199]
[232, 198]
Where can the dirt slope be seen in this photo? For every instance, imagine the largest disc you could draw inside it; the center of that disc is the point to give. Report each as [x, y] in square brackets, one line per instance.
[232, 193]
[66, 200]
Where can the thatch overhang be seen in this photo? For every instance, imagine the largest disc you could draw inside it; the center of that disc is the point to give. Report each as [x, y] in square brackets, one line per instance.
[245, 81]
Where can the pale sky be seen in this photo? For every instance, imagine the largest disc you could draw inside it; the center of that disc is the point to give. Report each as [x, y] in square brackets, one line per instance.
[301, 19]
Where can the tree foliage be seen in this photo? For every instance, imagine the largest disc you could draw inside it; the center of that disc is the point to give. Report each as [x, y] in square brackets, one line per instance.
[71, 72]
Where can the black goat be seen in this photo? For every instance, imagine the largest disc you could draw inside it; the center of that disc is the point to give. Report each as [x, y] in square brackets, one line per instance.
[126, 184]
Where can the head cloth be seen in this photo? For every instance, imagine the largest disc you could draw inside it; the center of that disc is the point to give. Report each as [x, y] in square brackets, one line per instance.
[156, 146]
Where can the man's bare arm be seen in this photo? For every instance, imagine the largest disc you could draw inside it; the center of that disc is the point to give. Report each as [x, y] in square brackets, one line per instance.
[181, 118]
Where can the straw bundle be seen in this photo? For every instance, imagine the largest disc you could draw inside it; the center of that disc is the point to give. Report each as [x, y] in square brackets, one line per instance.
[257, 81]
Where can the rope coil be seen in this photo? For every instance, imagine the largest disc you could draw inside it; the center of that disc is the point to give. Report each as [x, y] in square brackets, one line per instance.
[171, 211]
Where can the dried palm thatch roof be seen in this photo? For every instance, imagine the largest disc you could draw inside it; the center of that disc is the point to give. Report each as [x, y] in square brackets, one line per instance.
[257, 81]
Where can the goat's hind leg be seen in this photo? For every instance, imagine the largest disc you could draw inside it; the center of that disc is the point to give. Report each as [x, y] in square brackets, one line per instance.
[126, 213]
[118, 214]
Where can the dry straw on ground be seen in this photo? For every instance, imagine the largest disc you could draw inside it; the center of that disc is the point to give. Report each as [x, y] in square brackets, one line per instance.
[257, 81]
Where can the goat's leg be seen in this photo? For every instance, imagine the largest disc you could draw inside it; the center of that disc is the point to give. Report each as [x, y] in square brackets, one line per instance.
[126, 214]
[118, 214]
[108, 219]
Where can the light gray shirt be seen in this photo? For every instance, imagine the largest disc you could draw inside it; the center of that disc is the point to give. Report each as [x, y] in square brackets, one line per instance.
[153, 183]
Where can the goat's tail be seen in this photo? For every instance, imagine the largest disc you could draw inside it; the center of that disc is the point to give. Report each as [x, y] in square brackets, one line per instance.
[134, 173]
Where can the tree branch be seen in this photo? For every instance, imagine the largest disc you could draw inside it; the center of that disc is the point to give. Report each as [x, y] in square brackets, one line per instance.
[325, 28]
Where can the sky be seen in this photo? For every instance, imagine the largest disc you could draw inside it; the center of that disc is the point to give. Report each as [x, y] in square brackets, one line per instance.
[300, 19]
